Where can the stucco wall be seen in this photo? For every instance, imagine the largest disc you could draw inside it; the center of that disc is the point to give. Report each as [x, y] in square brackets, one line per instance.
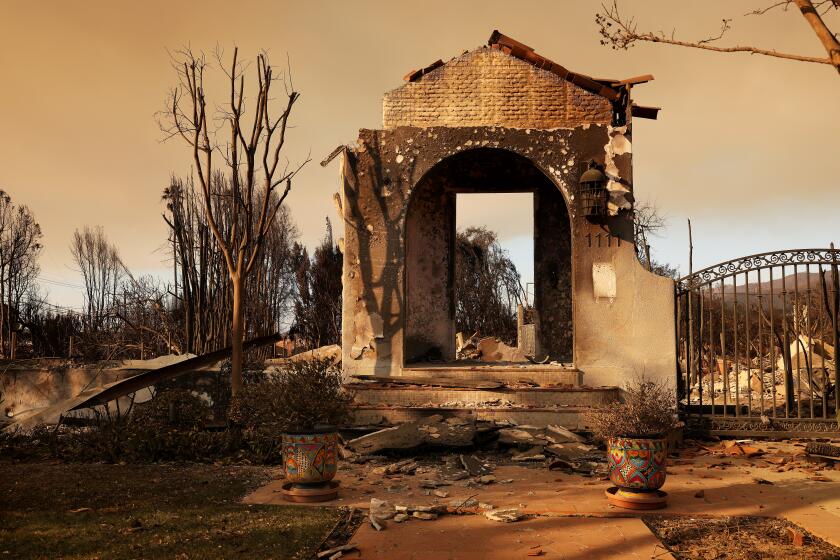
[630, 337]
[611, 341]
[487, 99]
[488, 87]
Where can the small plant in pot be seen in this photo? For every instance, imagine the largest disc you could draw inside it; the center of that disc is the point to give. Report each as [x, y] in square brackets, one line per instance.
[635, 432]
[306, 403]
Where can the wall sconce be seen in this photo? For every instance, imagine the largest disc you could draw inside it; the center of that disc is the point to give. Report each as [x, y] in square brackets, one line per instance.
[592, 192]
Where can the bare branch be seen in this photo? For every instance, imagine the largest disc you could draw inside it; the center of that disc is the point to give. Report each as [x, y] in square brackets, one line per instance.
[622, 33]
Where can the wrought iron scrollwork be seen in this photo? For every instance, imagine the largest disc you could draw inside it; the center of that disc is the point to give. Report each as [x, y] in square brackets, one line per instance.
[756, 262]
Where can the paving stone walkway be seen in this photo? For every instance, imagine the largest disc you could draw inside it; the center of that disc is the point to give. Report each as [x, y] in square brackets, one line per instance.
[472, 537]
[574, 519]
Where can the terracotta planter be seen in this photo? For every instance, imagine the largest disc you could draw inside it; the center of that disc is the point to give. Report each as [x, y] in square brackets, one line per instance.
[310, 458]
[637, 464]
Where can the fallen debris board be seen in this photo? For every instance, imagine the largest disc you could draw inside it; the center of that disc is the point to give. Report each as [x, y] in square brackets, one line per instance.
[435, 381]
[434, 430]
[143, 380]
[559, 434]
[331, 352]
[522, 437]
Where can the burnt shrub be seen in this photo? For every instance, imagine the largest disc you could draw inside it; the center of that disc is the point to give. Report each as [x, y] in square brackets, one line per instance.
[173, 408]
[172, 426]
[303, 396]
[648, 410]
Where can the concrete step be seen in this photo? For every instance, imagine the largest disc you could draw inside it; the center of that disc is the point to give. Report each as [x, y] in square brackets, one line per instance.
[509, 373]
[384, 394]
[571, 417]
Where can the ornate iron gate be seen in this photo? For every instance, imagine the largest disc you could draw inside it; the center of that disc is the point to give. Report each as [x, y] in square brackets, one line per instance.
[756, 344]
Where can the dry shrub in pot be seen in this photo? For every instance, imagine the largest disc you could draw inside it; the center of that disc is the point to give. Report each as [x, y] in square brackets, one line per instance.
[648, 410]
[304, 396]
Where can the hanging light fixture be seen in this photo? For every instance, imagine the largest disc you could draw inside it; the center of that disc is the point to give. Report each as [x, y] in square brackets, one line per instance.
[592, 192]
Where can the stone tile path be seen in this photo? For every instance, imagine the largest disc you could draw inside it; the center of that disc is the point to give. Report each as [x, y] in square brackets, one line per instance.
[699, 484]
[472, 537]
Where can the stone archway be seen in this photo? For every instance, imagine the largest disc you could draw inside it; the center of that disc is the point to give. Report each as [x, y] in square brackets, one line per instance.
[429, 251]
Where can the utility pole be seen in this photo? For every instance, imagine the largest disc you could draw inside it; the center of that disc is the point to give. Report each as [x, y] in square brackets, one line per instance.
[690, 250]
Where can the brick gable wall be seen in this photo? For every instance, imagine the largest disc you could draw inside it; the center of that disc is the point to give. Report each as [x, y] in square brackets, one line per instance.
[486, 87]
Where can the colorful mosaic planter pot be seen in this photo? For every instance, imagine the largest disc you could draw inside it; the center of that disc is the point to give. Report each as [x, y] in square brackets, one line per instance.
[637, 464]
[310, 458]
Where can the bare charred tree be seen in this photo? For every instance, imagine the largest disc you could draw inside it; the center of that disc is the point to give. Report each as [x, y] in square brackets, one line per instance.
[487, 286]
[49, 328]
[244, 146]
[201, 283]
[102, 271]
[20, 244]
[647, 223]
[317, 320]
[146, 325]
[621, 32]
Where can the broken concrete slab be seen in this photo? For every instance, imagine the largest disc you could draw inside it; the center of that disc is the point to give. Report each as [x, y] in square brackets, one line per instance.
[492, 349]
[559, 434]
[571, 451]
[381, 509]
[432, 430]
[375, 523]
[473, 466]
[461, 503]
[533, 454]
[504, 515]
[520, 437]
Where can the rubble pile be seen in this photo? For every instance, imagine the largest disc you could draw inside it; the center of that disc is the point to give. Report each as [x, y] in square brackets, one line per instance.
[553, 447]
[561, 448]
[558, 447]
[433, 430]
[812, 365]
[486, 349]
[811, 458]
[533, 445]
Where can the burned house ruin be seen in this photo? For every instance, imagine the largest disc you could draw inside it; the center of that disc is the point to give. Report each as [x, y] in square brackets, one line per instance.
[501, 119]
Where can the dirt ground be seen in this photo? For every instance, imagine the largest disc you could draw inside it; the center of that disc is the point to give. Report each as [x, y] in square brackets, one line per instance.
[722, 498]
[737, 538]
[91, 511]
[727, 499]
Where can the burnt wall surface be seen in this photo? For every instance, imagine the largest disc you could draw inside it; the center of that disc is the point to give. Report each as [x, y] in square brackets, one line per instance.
[429, 240]
[486, 86]
[429, 258]
[553, 274]
[380, 177]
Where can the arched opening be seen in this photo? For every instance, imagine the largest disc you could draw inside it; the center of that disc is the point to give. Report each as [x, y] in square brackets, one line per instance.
[429, 333]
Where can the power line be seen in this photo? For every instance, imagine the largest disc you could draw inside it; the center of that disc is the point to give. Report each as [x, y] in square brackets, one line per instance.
[60, 283]
[54, 306]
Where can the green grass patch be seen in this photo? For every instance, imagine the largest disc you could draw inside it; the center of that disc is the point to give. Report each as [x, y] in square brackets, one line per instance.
[87, 511]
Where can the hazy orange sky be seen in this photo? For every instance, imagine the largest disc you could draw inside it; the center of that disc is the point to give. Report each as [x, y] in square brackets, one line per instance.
[746, 146]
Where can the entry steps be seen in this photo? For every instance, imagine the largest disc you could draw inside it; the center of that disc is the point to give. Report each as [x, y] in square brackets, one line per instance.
[531, 394]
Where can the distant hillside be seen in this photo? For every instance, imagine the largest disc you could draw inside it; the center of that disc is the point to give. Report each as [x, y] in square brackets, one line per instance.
[801, 280]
